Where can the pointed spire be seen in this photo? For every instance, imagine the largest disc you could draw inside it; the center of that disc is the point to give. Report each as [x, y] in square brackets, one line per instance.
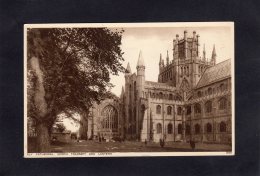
[128, 68]
[160, 59]
[214, 51]
[140, 61]
[214, 55]
[167, 58]
[204, 53]
[163, 62]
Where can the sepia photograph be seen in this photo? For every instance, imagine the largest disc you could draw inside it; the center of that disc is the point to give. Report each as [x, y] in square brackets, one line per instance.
[129, 89]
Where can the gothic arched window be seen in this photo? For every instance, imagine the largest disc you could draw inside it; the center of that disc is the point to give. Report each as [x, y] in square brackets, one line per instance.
[158, 109]
[197, 129]
[197, 108]
[169, 128]
[199, 93]
[179, 129]
[209, 91]
[160, 95]
[222, 127]
[188, 110]
[159, 128]
[222, 87]
[179, 110]
[208, 106]
[169, 110]
[110, 118]
[170, 97]
[187, 130]
[208, 128]
[222, 103]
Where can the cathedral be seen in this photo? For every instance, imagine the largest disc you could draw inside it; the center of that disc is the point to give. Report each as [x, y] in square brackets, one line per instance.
[190, 101]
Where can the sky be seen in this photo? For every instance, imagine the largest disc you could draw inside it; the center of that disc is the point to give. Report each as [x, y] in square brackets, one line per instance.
[155, 40]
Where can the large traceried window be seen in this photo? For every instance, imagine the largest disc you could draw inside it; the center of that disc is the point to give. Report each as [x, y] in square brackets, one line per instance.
[110, 118]
[159, 128]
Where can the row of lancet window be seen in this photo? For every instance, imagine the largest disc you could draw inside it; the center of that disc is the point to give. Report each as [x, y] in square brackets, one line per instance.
[185, 70]
[159, 128]
[208, 128]
[165, 96]
[166, 76]
[210, 91]
[222, 104]
[159, 110]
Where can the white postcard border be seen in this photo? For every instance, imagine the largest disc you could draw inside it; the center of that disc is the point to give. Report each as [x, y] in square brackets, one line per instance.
[129, 154]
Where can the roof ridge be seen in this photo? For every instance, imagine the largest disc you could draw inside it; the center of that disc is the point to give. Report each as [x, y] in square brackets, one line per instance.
[219, 71]
[222, 62]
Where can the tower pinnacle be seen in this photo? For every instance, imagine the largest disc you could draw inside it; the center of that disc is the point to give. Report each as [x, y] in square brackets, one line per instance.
[160, 62]
[167, 58]
[214, 55]
[140, 61]
[204, 53]
[128, 68]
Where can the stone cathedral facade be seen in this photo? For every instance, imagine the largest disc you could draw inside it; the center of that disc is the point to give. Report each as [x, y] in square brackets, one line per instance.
[191, 100]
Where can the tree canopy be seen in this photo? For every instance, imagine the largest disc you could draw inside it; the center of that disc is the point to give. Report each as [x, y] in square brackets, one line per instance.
[75, 65]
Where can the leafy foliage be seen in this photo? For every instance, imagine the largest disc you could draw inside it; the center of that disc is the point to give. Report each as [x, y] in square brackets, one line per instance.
[60, 127]
[76, 63]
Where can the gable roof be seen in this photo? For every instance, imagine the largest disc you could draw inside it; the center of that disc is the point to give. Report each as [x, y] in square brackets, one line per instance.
[216, 73]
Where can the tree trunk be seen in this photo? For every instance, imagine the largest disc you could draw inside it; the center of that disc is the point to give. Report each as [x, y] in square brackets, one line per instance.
[83, 130]
[43, 138]
[43, 129]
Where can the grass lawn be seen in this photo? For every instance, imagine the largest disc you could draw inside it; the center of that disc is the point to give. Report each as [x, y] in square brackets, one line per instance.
[130, 146]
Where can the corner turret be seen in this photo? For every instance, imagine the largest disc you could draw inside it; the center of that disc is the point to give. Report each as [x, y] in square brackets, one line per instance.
[140, 62]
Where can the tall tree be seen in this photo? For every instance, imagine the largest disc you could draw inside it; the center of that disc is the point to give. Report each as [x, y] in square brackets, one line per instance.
[68, 70]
